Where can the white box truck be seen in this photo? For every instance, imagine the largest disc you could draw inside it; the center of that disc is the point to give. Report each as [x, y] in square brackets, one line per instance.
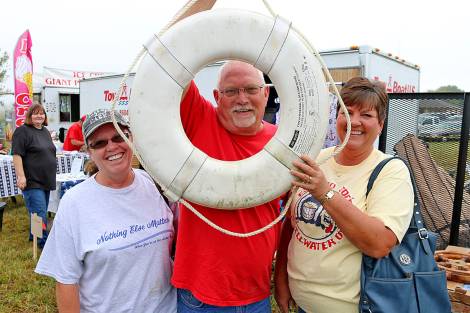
[68, 94]
[398, 75]
[100, 92]
[58, 91]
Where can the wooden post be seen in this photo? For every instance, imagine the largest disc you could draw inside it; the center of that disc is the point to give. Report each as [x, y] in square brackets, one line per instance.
[188, 10]
[35, 247]
[36, 230]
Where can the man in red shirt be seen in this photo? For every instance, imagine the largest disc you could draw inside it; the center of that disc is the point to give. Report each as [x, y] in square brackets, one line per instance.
[74, 138]
[216, 272]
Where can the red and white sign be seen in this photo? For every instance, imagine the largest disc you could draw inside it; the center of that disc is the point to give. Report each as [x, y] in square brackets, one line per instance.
[23, 72]
[100, 93]
[393, 86]
[54, 77]
[109, 95]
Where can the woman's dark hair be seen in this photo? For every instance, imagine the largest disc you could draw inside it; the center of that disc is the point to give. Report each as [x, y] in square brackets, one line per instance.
[364, 92]
[35, 108]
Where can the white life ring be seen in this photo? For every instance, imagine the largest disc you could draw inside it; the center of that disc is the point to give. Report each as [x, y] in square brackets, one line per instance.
[170, 64]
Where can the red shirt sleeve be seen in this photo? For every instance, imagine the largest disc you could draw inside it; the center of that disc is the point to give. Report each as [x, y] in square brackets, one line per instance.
[193, 109]
[76, 133]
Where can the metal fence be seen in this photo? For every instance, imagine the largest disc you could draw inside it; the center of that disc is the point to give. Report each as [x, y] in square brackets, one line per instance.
[431, 131]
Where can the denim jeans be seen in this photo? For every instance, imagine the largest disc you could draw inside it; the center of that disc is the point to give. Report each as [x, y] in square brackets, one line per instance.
[187, 303]
[300, 310]
[36, 201]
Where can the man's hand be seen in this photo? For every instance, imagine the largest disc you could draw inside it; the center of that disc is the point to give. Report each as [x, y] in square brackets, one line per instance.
[21, 182]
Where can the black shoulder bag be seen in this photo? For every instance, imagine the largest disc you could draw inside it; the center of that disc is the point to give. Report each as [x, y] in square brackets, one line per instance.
[408, 279]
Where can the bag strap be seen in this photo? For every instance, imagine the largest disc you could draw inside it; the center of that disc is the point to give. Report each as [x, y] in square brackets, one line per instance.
[416, 220]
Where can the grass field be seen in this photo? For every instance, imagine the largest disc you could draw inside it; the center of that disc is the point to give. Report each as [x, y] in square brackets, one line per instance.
[445, 154]
[21, 290]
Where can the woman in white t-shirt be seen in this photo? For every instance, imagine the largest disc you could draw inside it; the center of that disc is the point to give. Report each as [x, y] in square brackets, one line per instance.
[332, 223]
[109, 247]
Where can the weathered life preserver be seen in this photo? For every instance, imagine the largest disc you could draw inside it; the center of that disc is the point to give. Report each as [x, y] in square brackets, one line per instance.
[171, 62]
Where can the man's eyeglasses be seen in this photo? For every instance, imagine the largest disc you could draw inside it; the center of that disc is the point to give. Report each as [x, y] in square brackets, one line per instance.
[250, 90]
[104, 142]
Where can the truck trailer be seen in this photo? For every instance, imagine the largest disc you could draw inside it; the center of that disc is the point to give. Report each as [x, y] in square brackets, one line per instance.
[58, 91]
[397, 74]
[100, 92]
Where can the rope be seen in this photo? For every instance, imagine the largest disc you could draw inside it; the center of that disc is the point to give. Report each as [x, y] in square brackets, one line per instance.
[330, 79]
[284, 211]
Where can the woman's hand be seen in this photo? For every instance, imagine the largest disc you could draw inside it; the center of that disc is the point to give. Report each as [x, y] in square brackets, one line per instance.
[283, 297]
[310, 177]
[282, 293]
[20, 176]
[21, 182]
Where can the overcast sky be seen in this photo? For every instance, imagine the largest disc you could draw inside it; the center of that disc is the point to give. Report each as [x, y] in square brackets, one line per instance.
[105, 35]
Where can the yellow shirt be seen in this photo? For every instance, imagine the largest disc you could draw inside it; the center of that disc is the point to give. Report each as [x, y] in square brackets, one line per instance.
[323, 265]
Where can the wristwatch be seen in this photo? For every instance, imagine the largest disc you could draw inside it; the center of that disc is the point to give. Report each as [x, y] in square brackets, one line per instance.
[327, 196]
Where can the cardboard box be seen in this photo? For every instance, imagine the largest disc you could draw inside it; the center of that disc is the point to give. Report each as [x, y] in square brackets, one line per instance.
[459, 293]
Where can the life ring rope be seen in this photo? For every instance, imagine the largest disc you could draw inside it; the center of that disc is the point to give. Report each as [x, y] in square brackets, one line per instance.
[279, 33]
[336, 91]
[168, 62]
[278, 150]
[187, 172]
[282, 214]
[330, 79]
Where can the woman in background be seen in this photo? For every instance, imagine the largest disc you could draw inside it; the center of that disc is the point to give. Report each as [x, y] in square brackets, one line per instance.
[35, 164]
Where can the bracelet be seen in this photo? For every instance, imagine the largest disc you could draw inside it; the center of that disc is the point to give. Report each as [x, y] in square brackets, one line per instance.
[327, 196]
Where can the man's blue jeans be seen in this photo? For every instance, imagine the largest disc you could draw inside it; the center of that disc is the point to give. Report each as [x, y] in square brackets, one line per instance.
[187, 303]
[36, 201]
[301, 311]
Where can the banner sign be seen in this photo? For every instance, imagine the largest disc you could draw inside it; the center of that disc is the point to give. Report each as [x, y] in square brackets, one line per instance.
[23, 72]
[54, 77]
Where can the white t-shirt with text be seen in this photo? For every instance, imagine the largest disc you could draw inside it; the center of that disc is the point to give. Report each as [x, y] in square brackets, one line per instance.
[115, 244]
